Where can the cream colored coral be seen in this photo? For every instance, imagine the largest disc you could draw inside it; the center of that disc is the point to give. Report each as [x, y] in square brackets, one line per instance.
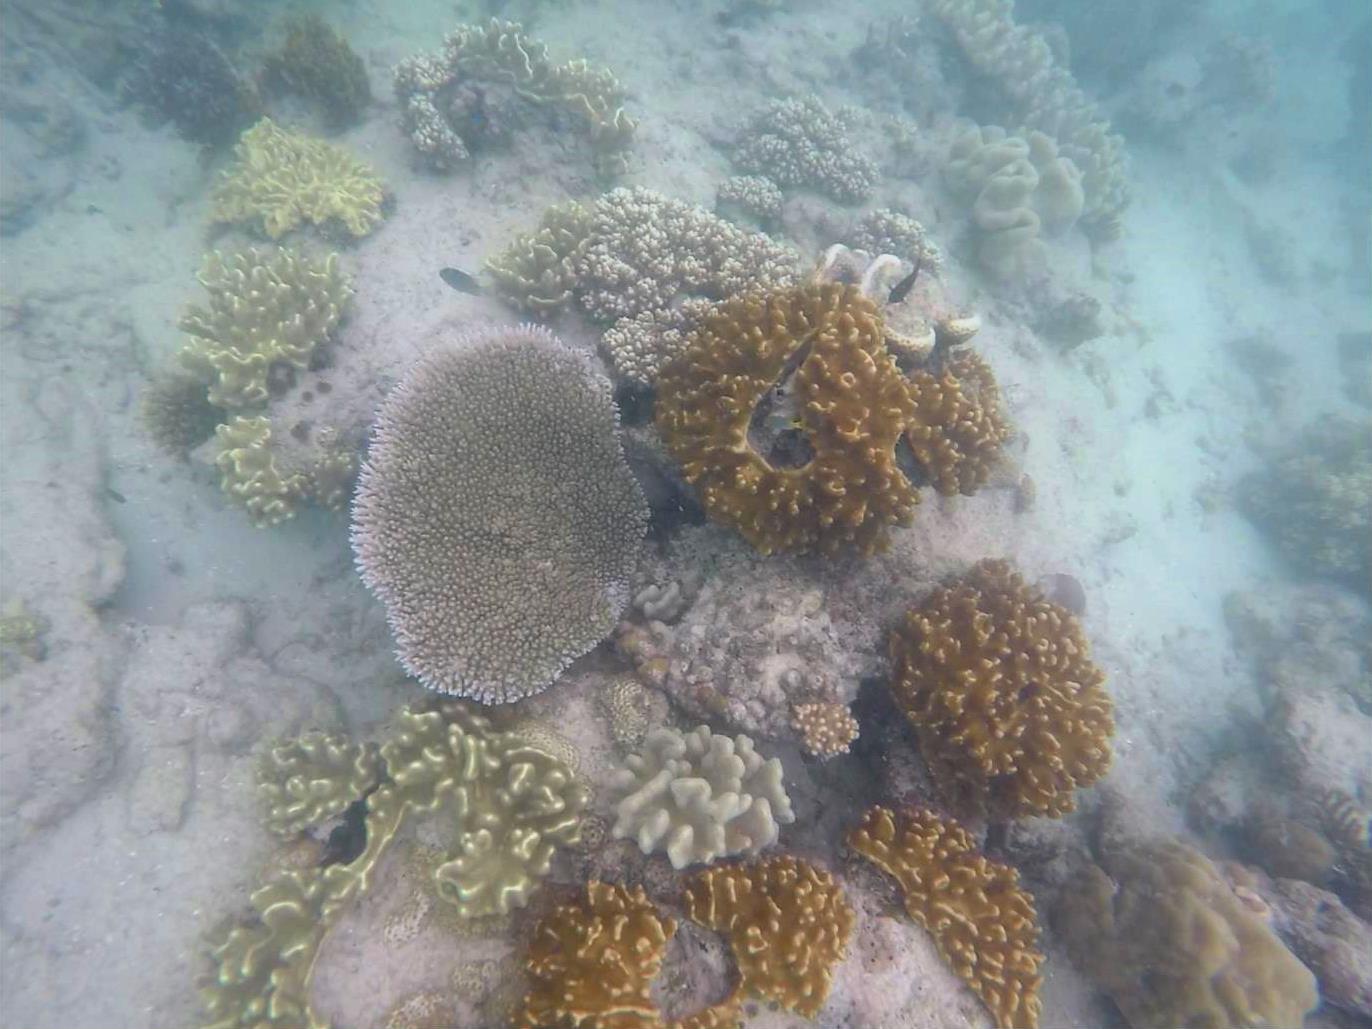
[825, 729]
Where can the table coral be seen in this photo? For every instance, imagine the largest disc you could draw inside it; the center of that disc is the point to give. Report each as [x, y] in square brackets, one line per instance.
[317, 63]
[983, 923]
[839, 400]
[267, 310]
[699, 796]
[787, 924]
[1010, 711]
[1167, 938]
[798, 142]
[495, 516]
[281, 179]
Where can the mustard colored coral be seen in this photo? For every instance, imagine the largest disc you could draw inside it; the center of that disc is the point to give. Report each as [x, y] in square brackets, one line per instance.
[825, 729]
[787, 924]
[828, 478]
[958, 432]
[281, 179]
[983, 923]
[1010, 711]
[315, 777]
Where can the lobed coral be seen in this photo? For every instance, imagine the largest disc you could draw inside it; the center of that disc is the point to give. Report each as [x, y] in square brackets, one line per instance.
[699, 796]
[281, 179]
[787, 924]
[1172, 944]
[317, 63]
[958, 431]
[496, 518]
[314, 777]
[536, 271]
[826, 730]
[997, 681]
[268, 311]
[983, 923]
[827, 478]
[798, 142]
[250, 476]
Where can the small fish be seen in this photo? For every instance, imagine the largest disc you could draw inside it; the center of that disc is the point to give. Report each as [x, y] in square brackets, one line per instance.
[115, 495]
[460, 281]
[902, 288]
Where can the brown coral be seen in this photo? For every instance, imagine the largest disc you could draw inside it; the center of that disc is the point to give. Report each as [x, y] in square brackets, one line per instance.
[958, 429]
[808, 368]
[786, 921]
[825, 729]
[997, 681]
[983, 923]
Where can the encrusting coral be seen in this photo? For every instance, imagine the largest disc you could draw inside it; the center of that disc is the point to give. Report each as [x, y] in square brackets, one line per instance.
[495, 516]
[787, 924]
[699, 796]
[281, 179]
[798, 142]
[828, 478]
[997, 680]
[268, 310]
[982, 921]
[1165, 935]
[826, 730]
[318, 64]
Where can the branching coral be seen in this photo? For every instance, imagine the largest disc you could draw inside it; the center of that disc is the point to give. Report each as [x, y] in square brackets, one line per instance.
[1172, 944]
[317, 63]
[798, 142]
[787, 924]
[825, 729]
[755, 197]
[267, 310]
[495, 516]
[842, 404]
[957, 432]
[699, 796]
[281, 179]
[1011, 712]
[436, 115]
[983, 923]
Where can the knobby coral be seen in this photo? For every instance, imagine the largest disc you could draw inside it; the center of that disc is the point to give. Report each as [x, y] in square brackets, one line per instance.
[958, 431]
[281, 179]
[983, 923]
[825, 729]
[798, 142]
[836, 405]
[1010, 711]
[495, 516]
[699, 796]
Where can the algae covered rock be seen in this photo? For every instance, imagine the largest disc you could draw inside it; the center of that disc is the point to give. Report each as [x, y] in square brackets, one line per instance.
[317, 63]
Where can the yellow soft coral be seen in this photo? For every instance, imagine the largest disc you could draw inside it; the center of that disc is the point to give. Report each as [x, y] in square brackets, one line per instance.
[983, 923]
[997, 681]
[281, 179]
[816, 357]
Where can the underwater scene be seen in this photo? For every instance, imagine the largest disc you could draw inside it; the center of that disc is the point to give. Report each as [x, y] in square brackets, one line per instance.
[685, 514]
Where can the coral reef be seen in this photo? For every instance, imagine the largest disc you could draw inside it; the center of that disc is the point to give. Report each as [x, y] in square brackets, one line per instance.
[177, 414]
[885, 231]
[268, 311]
[1043, 96]
[1010, 711]
[958, 431]
[699, 796]
[755, 197]
[828, 478]
[178, 75]
[500, 543]
[1314, 499]
[536, 271]
[317, 63]
[826, 730]
[982, 921]
[1165, 935]
[787, 924]
[281, 179]
[314, 777]
[797, 142]
[444, 107]
[250, 476]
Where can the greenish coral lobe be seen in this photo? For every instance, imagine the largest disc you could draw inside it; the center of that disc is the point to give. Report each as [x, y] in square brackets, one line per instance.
[308, 780]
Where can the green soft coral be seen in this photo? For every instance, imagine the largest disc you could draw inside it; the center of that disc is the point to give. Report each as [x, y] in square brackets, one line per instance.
[250, 476]
[281, 179]
[315, 777]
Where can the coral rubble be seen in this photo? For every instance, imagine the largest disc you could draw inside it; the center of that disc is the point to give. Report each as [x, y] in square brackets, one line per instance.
[496, 517]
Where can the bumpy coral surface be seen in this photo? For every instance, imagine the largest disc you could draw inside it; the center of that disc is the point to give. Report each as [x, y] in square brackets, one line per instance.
[838, 405]
[825, 729]
[1011, 713]
[281, 179]
[317, 63]
[958, 431]
[786, 921]
[982, 921]
[885, 231]
[1173, 945]
[699, 796]
[267, 310]
[798, 142]
[495, 515]
[756, 197]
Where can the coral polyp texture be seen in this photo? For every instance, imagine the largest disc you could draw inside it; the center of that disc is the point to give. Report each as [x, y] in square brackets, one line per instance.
[1167, 937]
[281, 180]
[495, 515]
[958, 431]
[787, 924]
[444, 122]
[825, 730]
[317, 63]
[1011, 713]
[983, 922]
[699, 796]
[268, 310]
[799, 142]
[836, 407]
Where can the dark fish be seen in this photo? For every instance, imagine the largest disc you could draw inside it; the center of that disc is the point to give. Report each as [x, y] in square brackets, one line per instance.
[115, 495]
[902, 288]
[460, 281]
